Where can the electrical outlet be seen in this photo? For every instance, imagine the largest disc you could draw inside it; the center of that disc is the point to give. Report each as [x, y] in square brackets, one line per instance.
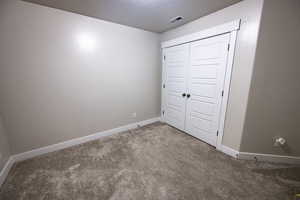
[279, 141]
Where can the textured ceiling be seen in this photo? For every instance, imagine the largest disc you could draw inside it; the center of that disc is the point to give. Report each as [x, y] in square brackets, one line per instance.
[152, 15]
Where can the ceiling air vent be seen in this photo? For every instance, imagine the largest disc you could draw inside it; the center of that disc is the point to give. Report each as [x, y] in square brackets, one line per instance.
[176, 19]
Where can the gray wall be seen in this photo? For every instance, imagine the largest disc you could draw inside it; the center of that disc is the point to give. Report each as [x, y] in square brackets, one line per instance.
[250, 13]
[65, 75]
[273, 108]
[4, 145]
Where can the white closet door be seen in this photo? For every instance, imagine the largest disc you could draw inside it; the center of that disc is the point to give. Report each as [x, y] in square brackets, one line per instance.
[207, 69]
[176, 63]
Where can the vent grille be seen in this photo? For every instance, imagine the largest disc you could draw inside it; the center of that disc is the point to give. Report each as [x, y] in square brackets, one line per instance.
[176, 19]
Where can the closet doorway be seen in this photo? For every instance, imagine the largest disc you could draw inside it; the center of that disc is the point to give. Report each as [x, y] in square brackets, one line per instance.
[196, 82]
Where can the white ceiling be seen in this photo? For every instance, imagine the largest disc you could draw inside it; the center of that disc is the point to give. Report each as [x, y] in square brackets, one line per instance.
[152, 15]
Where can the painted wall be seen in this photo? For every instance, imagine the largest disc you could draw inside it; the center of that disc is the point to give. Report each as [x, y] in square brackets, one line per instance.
[274, 96]
[65, 75]
[250, 13]
[4, 145]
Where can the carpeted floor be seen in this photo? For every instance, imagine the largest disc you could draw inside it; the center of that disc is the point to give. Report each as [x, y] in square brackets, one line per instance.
[155, 162]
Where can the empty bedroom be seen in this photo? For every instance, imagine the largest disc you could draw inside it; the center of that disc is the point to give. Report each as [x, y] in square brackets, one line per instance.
[149, 100]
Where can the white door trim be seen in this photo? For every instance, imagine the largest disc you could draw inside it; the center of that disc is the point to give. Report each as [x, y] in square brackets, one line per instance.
[226, 89]
[217, 30]
[230, 27]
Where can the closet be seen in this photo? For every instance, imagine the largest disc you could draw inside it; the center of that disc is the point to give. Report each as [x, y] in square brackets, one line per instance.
[194, 77]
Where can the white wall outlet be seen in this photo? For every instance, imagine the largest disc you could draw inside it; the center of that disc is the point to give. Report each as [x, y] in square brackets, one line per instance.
[133, 115]
[279, 141]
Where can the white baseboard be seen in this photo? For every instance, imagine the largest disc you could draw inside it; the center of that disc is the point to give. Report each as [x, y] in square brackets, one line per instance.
[269, 158]
[260, 157]
[4, 172]
[55, 147]
[229, 151]
[76, 141]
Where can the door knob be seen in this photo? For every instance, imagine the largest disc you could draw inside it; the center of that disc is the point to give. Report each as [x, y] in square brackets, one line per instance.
[188, 95]
[183, 95]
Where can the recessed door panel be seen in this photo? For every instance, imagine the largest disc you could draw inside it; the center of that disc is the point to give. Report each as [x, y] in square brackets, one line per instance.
[205, 90]
[200, 72]
[204, 108]
[201, 123]
[210, 50]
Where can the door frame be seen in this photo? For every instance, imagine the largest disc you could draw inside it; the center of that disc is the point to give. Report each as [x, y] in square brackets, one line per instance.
[231, 28]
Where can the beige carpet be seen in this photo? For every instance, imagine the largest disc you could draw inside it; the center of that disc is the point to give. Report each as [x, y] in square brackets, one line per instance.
[156, 162]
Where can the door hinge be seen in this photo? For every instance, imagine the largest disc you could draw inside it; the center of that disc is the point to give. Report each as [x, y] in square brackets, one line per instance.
[163, 112]
[217, 133]
[228, 47]
[164, 85]
[222, 93]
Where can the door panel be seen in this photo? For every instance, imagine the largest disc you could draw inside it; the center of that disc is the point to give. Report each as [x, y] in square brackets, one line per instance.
[175, 67]
[203, 108]
[204, 90]
[208, 60]
[201, 123]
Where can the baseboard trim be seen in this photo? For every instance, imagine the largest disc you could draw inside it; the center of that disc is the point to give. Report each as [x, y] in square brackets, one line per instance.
[55, 147]
[269, 158]
[69, 143]
[229, 151]
[260, 157]
[81, 140]
[4, 172]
